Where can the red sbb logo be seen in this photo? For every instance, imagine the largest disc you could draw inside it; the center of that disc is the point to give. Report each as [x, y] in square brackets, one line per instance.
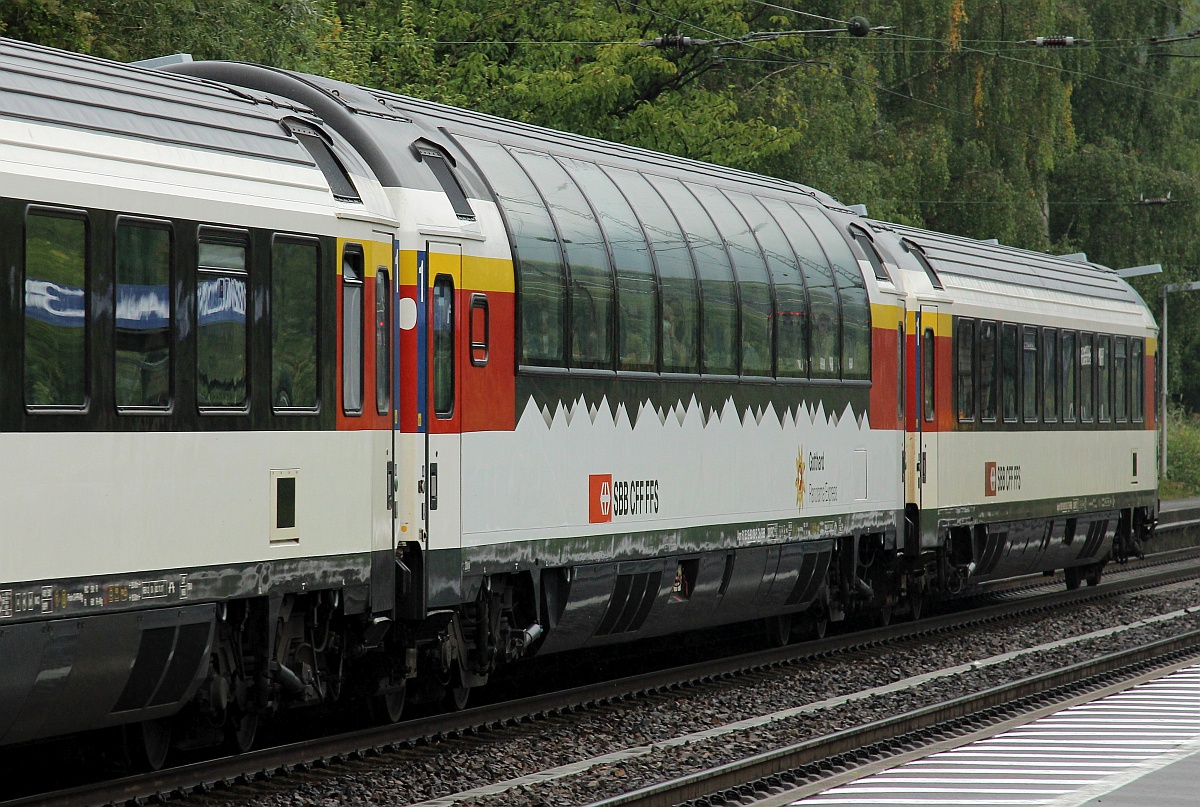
[600, 498]
[990, 480]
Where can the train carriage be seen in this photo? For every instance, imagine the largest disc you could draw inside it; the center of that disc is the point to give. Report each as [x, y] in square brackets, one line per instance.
[323, 394]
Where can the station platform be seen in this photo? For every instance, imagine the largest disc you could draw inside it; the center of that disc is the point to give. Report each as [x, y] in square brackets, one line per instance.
[1135, 748]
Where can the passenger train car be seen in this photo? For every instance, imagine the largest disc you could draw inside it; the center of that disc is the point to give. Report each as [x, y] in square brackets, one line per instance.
[313, 393]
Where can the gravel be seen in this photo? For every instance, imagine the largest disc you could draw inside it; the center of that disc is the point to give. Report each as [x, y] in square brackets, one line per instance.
[452, 767]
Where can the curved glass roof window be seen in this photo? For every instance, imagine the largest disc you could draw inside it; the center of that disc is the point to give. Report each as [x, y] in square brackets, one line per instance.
[754, 283]
[677, 276]
[441, 165]
[824, 306]
[541, 273]
[637, 287]
[867, 244]
[331, 167]
[914, 249]
[718, 295]
[791, 313]
[588, 272]
[856, 310]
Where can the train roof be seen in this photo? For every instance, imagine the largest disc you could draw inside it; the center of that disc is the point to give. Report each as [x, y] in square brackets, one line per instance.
[962, 262]
[57, 88]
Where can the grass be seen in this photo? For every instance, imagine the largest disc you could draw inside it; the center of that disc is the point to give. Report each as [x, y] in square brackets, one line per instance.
[1183, 455]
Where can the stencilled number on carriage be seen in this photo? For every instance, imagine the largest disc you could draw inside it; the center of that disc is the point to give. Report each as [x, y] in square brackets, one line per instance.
[1001, 478]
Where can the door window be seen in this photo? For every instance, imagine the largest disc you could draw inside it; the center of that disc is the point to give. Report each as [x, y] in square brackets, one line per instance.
[443, 346]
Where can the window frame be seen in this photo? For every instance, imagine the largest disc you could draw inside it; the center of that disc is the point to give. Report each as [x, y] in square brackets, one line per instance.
[1031, 396]
[1007, 328]
[383, 340]
[1051, 371]
[354, 249]
[302, 240]
[965, 384]
[167, 226]
[989, 380]
[1137, 389]
[74, 214]
[231, 237]
[441, 281]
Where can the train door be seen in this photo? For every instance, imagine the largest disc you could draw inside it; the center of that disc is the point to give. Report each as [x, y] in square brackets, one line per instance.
[926, 408]
[445, 415]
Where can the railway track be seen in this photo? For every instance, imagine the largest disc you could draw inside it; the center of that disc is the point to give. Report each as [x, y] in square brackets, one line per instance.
[241, 772]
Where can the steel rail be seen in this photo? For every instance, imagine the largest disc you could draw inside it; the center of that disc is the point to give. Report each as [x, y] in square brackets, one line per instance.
[812, 759]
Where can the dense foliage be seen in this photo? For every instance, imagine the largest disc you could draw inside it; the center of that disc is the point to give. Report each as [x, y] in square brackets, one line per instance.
[946, 119]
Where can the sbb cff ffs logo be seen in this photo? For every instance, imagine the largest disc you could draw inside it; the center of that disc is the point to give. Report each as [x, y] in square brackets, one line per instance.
[636, 497]
[600, 498]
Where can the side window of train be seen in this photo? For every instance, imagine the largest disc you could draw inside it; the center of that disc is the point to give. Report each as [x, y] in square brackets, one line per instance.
[852, 291]
[1086, 382]
[825, 311]
[1029, 373]
[753, 280]
[718, 295]
[1070, 364]
[928, 368]
[863, 239]
[676, 273]
[1104, 378]
[443, 346]
[987, 371]
[1137, 380]
[383, 340]
[56, 304]
[1009, 356]
[589, 276]
[791, 299]
[295, 263]
[964, 371]
[142, 371]
[1121, 379]
[221, 282]
[352, 329]
[541, 272]
[637, 289]
[1051, 372]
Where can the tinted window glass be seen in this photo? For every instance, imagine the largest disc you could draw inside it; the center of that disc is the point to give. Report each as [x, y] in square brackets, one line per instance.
[55, 311]
[221, 325]
[443, 346]
[680, 304]
[928, 389]
[868, 247]
[143, 316]
[352, 331]
[444, 174]
[791, 302]
[1029, 373]
[538, 256]
[1009, 356]
[383, 341]
[1086, 381]
[718, 309]
[1051, 371]
[754, 284]
[587, 260]
[822, 293]
[294, 267]
[1120, 378]
[637, 289]
[964, 341]
[1137, 388]
[987, 370]
[1104, 377]
[1070, 363]
[856, 311]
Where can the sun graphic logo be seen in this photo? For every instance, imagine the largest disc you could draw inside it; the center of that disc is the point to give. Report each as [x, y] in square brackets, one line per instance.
[801, 467]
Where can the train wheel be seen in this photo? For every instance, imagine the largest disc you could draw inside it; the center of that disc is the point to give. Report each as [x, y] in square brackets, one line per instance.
[147, 744]
[457, 693]
[779, 630]
[240, 733]
[1073, 577]
[388, 707]
[1094, 573]
[883, 617]
[916, 604]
